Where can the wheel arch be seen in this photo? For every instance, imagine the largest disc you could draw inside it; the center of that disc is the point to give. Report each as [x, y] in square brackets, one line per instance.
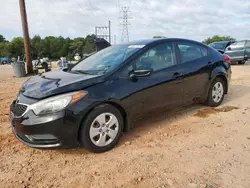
[126, 119]
[223, 77]
[220, 72]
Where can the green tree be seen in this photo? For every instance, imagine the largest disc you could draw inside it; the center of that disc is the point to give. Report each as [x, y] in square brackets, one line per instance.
[76, 46]
[89, 45]
[64, 51]
[36, 46]
[16, 47]
[217, 38]
[2, 39]
[50, 46]
[3, 49]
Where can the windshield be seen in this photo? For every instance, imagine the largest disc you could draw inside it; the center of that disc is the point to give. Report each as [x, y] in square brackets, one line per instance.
[218, 45]
[105, 60]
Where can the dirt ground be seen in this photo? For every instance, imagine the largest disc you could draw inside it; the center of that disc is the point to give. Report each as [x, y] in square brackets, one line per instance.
[194, 147]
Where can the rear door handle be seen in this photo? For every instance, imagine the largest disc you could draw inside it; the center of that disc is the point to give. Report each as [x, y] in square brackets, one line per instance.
[177, 75]
[210, 64]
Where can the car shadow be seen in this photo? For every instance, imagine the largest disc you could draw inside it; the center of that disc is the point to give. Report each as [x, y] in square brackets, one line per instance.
[161, 118]
[236, 91]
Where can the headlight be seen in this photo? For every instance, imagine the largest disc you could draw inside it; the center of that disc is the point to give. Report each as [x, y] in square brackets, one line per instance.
[57, 103]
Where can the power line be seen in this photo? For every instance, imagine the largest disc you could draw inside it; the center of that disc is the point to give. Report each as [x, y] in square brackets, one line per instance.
[82, 9]
[92, 7]
[125, 23]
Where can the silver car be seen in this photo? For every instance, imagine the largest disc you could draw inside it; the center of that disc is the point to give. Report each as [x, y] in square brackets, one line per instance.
[239, 51]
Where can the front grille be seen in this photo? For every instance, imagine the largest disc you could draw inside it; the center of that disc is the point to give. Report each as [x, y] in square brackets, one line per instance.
[18, 109]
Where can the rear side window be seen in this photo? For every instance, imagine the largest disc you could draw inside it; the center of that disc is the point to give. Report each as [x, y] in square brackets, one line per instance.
[190, 52]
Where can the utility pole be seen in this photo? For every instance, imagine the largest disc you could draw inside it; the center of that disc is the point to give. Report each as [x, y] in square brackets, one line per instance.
[103, 31]
[125, 23]
[26, 36]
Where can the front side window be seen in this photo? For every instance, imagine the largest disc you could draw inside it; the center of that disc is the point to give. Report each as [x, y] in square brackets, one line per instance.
[105, 60]
[190, 52]
[158, 57]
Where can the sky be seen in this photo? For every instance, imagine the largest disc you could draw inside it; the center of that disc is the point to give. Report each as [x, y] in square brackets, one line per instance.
[192, 19]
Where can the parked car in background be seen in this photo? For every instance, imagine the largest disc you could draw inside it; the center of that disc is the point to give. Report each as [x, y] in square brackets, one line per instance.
[221, 46]
[239, 51]
[4, 60]
[91, 104]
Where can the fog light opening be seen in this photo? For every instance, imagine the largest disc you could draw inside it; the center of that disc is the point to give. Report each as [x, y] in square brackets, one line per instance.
[41, 137]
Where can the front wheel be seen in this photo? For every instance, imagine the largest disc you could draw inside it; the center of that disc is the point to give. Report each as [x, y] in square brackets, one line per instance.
[102, 129]
[216, 93]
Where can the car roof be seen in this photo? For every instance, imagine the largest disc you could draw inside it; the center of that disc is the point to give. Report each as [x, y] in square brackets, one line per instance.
[151, 41]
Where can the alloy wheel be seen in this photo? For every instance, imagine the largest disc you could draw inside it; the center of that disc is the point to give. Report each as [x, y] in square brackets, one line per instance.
[217, 92]
[104, 129]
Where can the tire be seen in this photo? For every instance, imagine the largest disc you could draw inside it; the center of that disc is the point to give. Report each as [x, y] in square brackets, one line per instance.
[215, 98]
[92, 123]
[242, 62]
[4, 62]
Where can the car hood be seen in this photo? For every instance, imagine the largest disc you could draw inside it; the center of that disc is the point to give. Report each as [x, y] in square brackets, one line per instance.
[56, 82]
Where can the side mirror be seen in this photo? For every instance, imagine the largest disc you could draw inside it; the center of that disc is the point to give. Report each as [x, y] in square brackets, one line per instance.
[141, 73]
[229, 48]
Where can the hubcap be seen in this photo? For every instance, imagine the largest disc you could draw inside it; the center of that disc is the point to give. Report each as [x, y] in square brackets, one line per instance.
[217, 92]
[104, 129]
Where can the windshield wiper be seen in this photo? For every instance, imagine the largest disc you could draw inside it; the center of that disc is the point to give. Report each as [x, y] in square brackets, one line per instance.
[81, 72]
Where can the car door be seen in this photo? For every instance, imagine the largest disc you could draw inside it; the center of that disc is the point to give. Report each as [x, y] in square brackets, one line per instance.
[197, 66]
[161, 89]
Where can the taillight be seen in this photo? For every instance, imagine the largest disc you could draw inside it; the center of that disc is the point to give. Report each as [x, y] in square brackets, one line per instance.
[227, 59]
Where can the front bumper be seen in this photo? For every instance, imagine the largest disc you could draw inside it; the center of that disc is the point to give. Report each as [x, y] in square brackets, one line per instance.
[48, 131]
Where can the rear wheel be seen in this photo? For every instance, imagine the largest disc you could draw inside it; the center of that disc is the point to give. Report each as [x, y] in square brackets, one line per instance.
[102, 129]
[242, 62]
[216, 93]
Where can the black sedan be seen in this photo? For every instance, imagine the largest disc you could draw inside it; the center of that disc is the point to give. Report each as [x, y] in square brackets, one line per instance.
[91, 104]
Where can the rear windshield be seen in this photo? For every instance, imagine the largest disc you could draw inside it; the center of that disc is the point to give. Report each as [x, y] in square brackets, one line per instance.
[218, 45]
[238, 44]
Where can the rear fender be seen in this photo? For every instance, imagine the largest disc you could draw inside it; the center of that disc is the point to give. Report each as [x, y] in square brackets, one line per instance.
[218, 72]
